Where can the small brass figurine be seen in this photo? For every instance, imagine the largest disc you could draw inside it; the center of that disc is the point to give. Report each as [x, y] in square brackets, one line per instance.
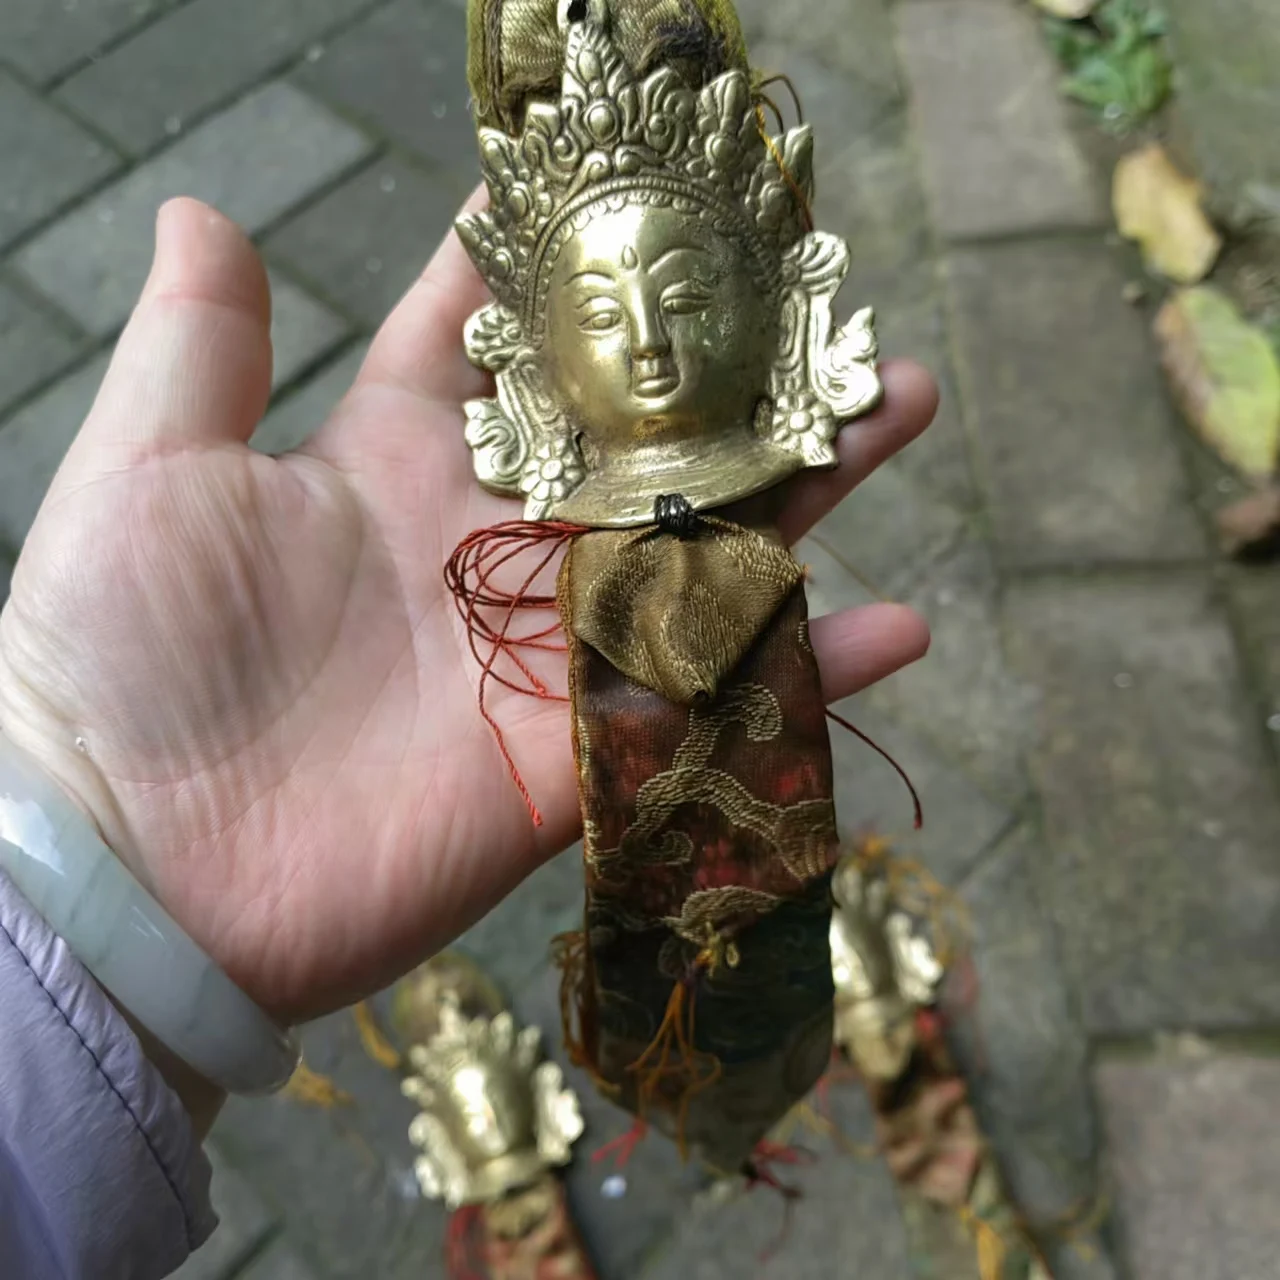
[884, 973]
[496, 1124]
[663, 320]
[493, 1117]
[887, 978]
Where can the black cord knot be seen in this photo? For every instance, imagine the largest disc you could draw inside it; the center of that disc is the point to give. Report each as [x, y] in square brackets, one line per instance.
[675, 514]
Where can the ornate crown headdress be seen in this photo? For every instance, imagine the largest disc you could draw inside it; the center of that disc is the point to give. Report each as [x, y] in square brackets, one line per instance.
[611, 132]
[494, 1116]
[656, 141]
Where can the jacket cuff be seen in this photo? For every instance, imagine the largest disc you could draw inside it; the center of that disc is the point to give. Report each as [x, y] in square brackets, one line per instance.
[92, 1139]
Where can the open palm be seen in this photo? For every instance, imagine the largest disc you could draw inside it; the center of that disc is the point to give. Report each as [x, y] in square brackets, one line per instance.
[248, 669]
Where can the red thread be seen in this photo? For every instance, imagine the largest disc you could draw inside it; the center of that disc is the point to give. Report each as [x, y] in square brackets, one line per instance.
[875, 746]
[759, 1173]
[460, 1244]
[623, 1147]
[469, 577]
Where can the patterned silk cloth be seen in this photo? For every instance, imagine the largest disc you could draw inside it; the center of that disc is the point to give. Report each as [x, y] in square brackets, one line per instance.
[704, 993]
[526, 1235]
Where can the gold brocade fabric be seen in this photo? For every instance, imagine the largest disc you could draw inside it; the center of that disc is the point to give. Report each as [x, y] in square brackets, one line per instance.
[677, 614]
[527, 1235]
[516, 49]
[704, 1001]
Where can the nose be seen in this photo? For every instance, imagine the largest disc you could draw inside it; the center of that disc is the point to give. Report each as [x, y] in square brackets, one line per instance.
[648, 335]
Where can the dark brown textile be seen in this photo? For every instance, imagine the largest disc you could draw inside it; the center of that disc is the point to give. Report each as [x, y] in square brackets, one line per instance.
[709, 839]
[516, 50]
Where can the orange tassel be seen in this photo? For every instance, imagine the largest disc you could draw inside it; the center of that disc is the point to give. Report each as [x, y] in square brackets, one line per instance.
[691, 1072]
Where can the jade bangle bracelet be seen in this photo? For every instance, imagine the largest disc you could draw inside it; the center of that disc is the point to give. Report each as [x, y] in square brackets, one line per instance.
[127, 941]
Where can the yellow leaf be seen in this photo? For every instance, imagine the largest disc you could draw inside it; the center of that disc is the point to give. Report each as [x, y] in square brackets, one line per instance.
[1067, 8]
[1225, 376]
[1159, 207]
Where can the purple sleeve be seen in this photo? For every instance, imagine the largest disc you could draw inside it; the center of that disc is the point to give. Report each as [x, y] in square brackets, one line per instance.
[100, 1171]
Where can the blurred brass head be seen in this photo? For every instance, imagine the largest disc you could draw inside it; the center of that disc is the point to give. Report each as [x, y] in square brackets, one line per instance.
[663, 316]
[494, 1118]
[883, 972]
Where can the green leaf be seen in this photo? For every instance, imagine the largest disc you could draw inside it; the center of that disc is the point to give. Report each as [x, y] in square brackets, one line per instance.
[1224, 375]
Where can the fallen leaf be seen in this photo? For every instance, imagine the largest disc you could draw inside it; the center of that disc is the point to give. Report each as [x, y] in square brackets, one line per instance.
[314, 1090]
[1224, 375]
[1159, 207]
[1250, 528]
[1070, 9]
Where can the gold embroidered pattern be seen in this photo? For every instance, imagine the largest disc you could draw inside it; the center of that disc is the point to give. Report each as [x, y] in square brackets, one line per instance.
[801, 834]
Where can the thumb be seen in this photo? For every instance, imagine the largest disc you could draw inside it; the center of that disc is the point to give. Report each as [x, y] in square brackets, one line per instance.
[193, 365]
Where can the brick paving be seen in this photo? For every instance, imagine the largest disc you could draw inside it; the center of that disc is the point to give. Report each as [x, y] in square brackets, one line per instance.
[1096, 732]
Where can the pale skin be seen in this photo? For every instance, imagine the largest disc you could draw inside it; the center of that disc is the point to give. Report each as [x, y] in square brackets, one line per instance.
[275, 699]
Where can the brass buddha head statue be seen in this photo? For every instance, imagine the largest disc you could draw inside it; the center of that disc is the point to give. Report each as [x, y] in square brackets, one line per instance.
[662, 319]
[494, 1116]
[883, 968]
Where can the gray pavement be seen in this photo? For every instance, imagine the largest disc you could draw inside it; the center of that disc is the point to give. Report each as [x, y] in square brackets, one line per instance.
[1096, 732]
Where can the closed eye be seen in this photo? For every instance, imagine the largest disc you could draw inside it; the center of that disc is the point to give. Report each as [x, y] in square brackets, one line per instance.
[600, 315]
[686, 300]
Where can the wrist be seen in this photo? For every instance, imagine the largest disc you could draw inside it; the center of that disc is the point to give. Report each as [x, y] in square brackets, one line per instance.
[133, 948]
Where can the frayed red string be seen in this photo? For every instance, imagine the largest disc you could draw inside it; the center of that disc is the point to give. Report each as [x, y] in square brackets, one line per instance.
[876, 747]
[469, 577]
[459, 1244]
[623, 1147]
[759, 1173]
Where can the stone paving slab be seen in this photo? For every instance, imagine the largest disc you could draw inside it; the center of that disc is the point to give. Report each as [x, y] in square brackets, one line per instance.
[33, 346]
[998, 152]
[47, 159]
[193, 59]
[846, 1223]
[402, 71]
[513, 942]
[911, 323]
[342, 1179]
[960, 821]
[302, 329]
[842, 104]
[1161, 809]
[1196, 1163]
[33, 442]
[254, 162]
[245, 1222]
[368, 240]
[1076, 442]
[963, 697]
[1228, 100]
[280, 1262]
[42, 49]
[296, 417]
[891, 531]
[1014, 1029]
[854, 38]
[1255, 599]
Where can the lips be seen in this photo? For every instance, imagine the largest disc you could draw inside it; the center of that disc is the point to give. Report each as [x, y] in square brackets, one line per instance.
[661, 385]
[654, 378]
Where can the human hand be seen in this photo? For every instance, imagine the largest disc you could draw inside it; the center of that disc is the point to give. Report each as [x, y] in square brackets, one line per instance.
[272, 693]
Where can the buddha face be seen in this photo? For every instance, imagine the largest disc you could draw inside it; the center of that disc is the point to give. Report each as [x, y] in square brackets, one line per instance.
[656, 329]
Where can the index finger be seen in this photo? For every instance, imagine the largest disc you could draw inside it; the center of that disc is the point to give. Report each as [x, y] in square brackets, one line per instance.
[419, 347]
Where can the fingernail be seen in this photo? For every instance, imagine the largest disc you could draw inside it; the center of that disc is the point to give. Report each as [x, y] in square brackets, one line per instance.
[164, 259]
